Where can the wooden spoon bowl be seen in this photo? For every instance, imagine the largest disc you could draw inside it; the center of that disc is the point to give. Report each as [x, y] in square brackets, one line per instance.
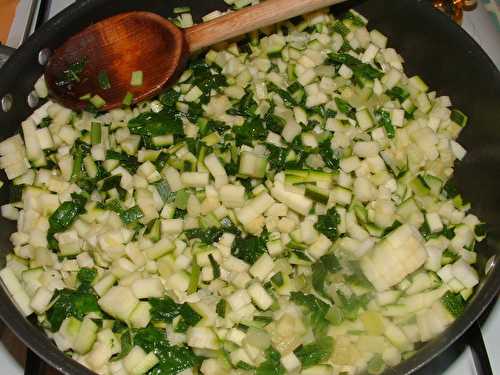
[118, 46]
[141, 41]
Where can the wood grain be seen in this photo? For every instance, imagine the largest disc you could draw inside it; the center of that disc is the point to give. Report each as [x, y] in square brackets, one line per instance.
[249, 19]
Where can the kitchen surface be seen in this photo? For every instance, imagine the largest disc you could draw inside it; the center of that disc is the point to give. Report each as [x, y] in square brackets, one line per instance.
[18, 18]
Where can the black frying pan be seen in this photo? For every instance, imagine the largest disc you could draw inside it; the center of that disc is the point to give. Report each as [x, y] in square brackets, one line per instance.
[435, 48]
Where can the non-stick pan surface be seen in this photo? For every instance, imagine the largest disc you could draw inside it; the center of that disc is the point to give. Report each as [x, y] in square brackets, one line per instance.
[435, 48]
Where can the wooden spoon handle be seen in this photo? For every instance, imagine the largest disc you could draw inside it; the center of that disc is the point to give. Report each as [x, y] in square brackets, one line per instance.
[249, 19]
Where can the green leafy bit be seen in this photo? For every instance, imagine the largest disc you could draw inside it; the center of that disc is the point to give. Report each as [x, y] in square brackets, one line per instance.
[273, 122]
[245, 366]
[329, 158]
[169, 99]
[449, 256]
[126, 342]
[358, 278]
[351, 305]
[327, 224]
[173, 359]
[220, 309]
[161, 161]
[252, 129]
[207, 236]
[128, 216]
[285, 95]
[398, 93]
[272, 365]
[189, 318]
[129, 162]
[480, 230]
[154, 124]
[384, 119]
[248, 248]
[131, 215]
[277, 279]
[277, 157]
[425, 231]
[315, 352]
[86, 276]
[72, 73]
[65, 215]
[215, 266]
[361, 71]
[326, 264]
[454, 303]
[344, 107]
[111, 182]
[458, 117]
[163, 189]
[353, 18]
[46, 121]
[166, 310]
[340, 28]
[316, 309]
[79, 151]
[103, 80]
[76, 303]
[206, 77]
[247, 106]
[395, 225]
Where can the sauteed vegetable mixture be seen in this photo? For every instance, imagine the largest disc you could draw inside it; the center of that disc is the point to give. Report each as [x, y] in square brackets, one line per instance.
[284, 208]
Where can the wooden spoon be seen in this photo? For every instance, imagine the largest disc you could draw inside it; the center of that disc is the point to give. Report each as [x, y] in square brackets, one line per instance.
[116, 47]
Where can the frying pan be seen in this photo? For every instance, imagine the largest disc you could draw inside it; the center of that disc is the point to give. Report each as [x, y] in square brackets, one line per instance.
[435, 48]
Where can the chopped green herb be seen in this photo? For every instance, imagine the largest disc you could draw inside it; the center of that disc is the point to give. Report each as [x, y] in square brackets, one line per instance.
[326, 264]
[72, 73]
[153, 124]
[384, 119]
[454, 303]
[277, 279]
[344, 107]
[315, 352]
[398, 93]
[103, 80]
[272, 365]
[249, 248]
[215, 266]
[173, 358]
[220, 309]
[327, 224]
[316, 310]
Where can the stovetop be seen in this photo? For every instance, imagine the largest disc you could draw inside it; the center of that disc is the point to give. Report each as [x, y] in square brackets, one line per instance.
[483, 24]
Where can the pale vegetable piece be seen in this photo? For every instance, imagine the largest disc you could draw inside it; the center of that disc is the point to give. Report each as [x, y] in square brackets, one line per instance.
[259, 296]
[119, 302]
[16, 291]
[392, 259]
[202, 338]
[262, 267]
[86, 336]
